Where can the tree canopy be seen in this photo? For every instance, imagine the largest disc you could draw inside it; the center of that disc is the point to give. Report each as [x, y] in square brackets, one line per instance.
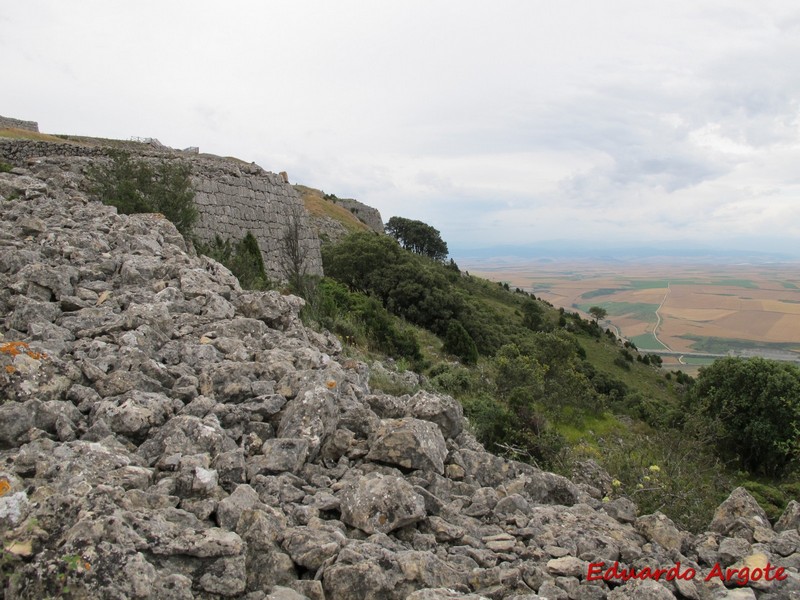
[135, 185]
[598, 312]
[752, 409]
[418, 237]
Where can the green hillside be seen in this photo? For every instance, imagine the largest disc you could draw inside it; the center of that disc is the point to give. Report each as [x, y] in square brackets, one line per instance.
[538, 384]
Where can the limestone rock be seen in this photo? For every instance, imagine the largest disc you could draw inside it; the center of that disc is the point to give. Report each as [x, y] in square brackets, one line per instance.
[380, 503]
[174, 436]
[443, 410]
[641, 590]
[409, 443]
[660, 529]
[790, 519]
[311, 416]
[739, 513]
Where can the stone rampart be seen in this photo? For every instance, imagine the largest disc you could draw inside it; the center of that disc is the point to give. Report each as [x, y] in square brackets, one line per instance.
[366, 214]
[232, 199]
[9, 123]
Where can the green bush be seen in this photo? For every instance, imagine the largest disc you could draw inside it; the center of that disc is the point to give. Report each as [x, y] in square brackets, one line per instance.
[669, 472]
[242, 258]
[459, 343]
[135, 186]
[751, 407]
[5, 167]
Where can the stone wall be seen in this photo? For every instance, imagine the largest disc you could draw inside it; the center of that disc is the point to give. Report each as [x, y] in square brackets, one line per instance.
[232, 198]
[366, 214]
[9, 123]
[19, 152]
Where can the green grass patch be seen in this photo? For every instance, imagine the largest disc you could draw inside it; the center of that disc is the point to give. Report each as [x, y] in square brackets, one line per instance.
[742, 283]
[788, 285]
[717, 345]
[646, 341]
[640, 378]
[601, 292]
[591, 429]
[698, 361]
[318, 206]
[24, 134]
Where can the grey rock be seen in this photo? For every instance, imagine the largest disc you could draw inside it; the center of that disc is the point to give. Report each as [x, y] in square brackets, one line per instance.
[443, 410]
[409, 443]
[311, 547]
[285, 454]
[790, 519]
[738, 513]
[312, 415]
[230, 509]
[185, 434]
[660, 529]
[622, 509]
[380, 503]
[134, 413]
[568, 565]
[733, 549]
[641, 590]
[226, 577]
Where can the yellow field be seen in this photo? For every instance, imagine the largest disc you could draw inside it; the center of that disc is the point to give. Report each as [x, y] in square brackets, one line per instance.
[691, 308]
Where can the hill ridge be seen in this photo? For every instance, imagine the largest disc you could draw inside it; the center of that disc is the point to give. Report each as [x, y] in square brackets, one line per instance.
[167, 434]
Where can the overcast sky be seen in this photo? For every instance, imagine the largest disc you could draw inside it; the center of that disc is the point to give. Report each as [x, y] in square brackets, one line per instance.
[497, 122]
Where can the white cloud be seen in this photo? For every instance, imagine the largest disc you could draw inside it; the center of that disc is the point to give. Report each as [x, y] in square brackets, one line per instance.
[496, 122]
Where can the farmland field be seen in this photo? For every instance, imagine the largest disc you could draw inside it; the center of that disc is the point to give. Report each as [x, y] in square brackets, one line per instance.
[694, 309]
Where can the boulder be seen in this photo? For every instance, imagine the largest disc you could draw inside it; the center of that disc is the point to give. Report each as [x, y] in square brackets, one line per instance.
[409, 443]
[377, 503]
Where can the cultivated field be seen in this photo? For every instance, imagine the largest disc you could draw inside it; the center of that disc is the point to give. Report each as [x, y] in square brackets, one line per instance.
[701, 309]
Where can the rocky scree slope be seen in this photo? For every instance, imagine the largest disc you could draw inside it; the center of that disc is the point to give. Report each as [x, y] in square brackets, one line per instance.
[166, 434]
[231, 197]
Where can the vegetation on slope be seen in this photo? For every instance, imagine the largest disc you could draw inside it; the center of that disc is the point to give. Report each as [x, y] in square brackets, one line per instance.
[539, 385]
[319, 204]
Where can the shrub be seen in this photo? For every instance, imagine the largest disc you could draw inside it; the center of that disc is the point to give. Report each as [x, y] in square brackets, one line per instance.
[459, 343]
[242, 258]
[752, 408]
[670, 472]
[5, 167]
[135, 186]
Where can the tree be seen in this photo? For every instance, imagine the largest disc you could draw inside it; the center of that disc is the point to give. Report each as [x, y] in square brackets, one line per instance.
[294, 255]
[751, 407]
[532, 315]
[458, 342]
[136, 186]
[243, 258]
[418, 237]
[598, 313]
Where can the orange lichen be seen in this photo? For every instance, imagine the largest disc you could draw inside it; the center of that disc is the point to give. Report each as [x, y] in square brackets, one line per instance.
[17, 348]
[330, 384]
[4, 486]
[87, 566]
[10, 369]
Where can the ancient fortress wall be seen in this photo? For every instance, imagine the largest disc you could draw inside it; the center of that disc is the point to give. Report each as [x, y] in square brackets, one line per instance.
[232, 198]
[9, 123]
[368, 215]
